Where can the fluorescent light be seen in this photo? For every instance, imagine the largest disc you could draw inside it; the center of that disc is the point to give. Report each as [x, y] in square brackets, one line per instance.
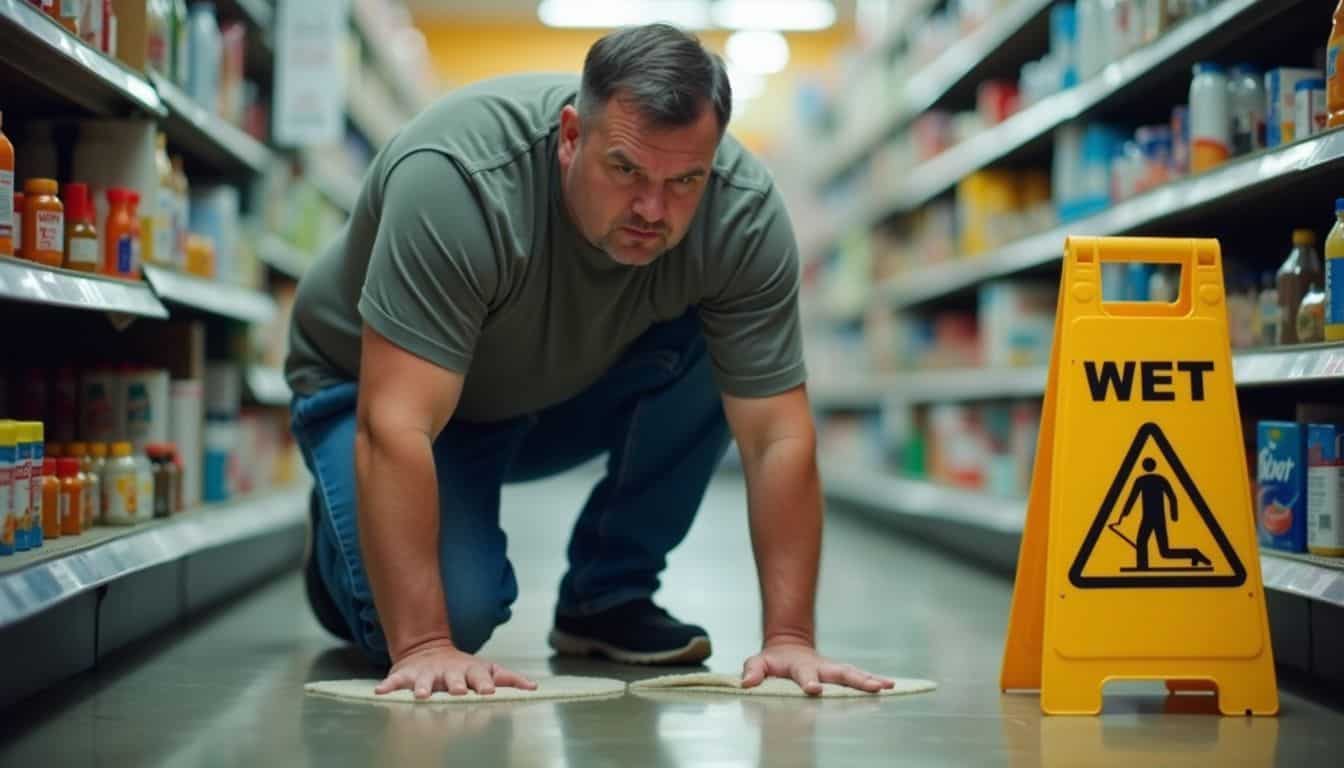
[795, 15]
[607, 14]
[761, 52]
[746, 85]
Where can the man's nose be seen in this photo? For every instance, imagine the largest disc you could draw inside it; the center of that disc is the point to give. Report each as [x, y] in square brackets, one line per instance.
[651, 205]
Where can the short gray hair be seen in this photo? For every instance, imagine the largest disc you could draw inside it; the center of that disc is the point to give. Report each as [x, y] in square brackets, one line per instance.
[665, 72]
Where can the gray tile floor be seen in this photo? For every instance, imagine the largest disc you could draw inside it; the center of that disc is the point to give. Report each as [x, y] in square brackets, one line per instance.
[228, 690]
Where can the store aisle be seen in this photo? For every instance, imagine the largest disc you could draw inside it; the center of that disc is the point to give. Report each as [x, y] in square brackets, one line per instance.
[228, 691]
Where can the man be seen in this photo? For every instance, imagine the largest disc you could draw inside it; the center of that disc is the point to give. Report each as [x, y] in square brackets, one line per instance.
[539, 271]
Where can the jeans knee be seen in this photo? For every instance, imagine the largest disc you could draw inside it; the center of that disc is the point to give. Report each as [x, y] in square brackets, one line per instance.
[474, 619]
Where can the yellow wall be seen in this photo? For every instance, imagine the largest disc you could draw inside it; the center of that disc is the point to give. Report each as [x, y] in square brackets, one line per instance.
[464, 52]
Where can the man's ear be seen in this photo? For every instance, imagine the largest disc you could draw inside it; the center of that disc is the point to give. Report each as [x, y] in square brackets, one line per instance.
[570, 132]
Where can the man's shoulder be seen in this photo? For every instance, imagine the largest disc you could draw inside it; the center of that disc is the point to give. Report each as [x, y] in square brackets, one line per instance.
[737, 169]
[492, 122]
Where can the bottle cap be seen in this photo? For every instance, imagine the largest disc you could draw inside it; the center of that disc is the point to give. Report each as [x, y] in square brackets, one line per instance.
[121, 450]
[50, 466]
[1207, 67]
[40, 186]
[77, 450]
[98, 450]
[67, 467]
[1304, 237]
[8, 433]
[32, 432]
[118, 195]
[154, 450]
[1310, 84]
[76, 196]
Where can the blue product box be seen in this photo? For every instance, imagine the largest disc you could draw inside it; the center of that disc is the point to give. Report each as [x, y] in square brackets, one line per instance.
[1281, 485]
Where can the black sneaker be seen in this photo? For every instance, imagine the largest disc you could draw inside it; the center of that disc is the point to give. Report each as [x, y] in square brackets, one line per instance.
[637, 632]
[319, 599]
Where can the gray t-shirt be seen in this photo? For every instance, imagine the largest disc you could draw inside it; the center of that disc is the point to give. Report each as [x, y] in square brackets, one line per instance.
[460, 251]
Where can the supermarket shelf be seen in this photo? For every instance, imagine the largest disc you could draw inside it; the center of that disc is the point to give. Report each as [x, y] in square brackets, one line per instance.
[932, 83]
[207, 138]
[1036, 123]
[33, 581]
[282, 257]
[883, 490]
[35, 45]
[1315, 578]
[1255, 368]
[33, 283]
[268, 386]
[215, 297]
[1255, 174]
[856, 393]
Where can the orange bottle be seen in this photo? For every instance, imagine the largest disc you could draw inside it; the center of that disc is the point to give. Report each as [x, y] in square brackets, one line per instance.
[81, 239]
[1334, 70]
[117, 233]
[51, 500]
[137, 233]
[72, 497]
[43, 223]
[7, 221]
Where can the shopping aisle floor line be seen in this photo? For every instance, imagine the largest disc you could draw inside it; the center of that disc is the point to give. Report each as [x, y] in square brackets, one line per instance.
[228, 689]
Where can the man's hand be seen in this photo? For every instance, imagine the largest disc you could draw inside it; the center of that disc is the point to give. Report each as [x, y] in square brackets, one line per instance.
[807, 668]
[441, 667]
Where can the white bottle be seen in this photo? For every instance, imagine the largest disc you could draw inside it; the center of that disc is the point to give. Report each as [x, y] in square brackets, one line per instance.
[1210, 118]
[204, 49]
[144, 488]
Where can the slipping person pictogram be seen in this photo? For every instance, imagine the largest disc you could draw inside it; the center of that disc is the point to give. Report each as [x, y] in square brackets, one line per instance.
[1155, 491]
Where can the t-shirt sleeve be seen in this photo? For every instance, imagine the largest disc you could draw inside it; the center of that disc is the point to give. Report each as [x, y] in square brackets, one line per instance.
[751, 324]
[433, 271]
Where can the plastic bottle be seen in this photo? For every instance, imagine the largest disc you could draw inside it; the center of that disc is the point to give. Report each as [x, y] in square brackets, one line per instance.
[1311, 316]
[9, 524]
[21, 487]
[163, 481]
[137, 236]
[108, 44]
[165, 206]
[159, 33]
[1334, 277]
[36, 450]
[81, 236]
[1309, 106]
[7, 221]
[43, 223]
[98, 461]
[1334, 69]
[204, 49]
[51, 500]
[1210, 118]
[1248, 103]
[1299, 271]
[91, 24]
[121, 487]
[68, 14]
[179, 497]
[72, 497]
[117, 233]
[93, 490]
[145, 509]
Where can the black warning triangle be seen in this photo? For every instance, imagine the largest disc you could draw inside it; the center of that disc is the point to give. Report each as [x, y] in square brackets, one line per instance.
[1185, 577]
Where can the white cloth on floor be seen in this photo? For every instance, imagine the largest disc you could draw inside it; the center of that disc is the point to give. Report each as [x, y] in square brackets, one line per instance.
[772, 686]
[559, 687]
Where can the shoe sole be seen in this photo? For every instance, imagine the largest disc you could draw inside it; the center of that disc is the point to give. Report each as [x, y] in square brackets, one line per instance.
[697, 650]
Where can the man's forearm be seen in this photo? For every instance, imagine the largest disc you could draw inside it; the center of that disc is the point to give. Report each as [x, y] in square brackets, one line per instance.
[399, 536]
[784, 499]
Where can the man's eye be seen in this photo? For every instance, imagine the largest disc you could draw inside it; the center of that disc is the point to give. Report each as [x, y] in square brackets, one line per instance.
[626, 170]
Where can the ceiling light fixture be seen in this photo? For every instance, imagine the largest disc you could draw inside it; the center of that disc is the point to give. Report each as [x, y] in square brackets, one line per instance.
[608, 14]
[758, 51]
[783, 15]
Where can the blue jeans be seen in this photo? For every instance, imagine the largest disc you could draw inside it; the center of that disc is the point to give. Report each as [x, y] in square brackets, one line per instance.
[657, 416]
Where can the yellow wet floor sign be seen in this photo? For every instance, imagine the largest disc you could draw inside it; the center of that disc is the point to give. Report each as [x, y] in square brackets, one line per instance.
[1139, 559]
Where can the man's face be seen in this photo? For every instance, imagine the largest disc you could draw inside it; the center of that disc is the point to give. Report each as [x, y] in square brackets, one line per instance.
[630, 188]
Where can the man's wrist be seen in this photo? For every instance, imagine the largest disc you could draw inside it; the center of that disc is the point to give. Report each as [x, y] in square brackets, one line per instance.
[789, 637]
[444, 642]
